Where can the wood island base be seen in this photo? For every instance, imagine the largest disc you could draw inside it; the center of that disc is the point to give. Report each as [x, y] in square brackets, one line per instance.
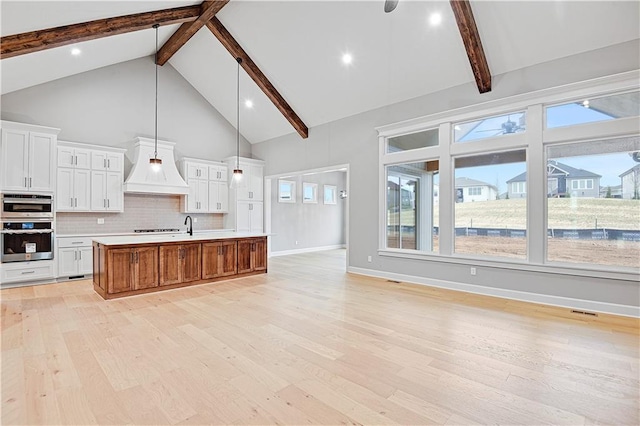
[126, 270]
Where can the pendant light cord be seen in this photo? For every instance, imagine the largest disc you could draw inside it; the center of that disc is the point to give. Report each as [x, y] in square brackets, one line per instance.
[155, 152]
[239, 60]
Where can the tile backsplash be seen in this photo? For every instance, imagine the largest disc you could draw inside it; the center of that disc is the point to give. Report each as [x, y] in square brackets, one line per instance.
[141, 211]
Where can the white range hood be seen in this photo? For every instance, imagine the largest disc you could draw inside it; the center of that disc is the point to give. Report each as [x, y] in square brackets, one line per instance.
[142, 179]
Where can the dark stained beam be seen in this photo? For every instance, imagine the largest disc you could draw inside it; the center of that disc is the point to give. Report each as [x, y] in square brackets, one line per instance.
[472, 43]
[227, 40]
[35, 41]
[188, 29]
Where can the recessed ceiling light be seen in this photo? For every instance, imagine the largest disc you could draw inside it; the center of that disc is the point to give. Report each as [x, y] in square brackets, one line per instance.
[435, 19]
[248, 103]
[76, 52]
[347, 58]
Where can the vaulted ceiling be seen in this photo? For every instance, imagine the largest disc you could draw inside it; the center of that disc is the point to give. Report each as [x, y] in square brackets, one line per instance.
[298, 45]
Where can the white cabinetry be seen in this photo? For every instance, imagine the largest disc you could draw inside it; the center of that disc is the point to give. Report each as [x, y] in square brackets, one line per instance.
[207, 180]
[246, 209]
[75, 257]
[38, 270]
[26, 157]
[89, 178]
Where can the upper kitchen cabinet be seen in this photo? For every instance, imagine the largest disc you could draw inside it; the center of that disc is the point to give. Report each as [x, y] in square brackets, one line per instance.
[91, 180]
[245, 202]
[207, 182]
[27, 157]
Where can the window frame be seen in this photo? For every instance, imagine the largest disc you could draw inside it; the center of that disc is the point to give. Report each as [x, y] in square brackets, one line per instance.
[334, 194]
[314, 189]
[293, 191]
[534, 140]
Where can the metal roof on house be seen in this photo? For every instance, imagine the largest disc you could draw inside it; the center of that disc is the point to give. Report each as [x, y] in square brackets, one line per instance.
[572, 172]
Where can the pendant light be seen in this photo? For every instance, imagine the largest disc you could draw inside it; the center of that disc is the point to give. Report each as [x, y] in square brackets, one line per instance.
[236, 180]
[155, 162]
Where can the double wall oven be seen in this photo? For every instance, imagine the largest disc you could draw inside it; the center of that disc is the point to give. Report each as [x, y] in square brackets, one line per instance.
[27, 231]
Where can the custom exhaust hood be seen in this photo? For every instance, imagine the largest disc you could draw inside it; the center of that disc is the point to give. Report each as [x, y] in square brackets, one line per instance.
[144, 180]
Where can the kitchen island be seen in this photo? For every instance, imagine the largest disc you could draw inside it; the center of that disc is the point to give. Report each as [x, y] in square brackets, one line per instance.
[134, 264]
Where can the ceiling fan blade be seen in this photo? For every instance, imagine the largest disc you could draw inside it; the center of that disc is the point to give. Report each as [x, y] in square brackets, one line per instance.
[389, 5]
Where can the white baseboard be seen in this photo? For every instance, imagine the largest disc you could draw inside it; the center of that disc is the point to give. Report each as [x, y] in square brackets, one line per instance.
[306, 250]
[565, 302]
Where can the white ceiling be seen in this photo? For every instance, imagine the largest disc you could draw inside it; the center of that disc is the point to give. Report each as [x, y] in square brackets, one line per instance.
[298, 45]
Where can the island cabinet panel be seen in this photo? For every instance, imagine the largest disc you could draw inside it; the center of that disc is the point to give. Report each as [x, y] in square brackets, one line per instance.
[219, 259]
[125, 269]
[179, 263]
[252, 255]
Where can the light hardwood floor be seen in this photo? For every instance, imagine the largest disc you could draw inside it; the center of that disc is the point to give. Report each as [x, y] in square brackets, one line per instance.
[308, 343]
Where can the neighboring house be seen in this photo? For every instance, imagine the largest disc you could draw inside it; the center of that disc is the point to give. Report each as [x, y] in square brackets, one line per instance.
[611, 191]
[469, 190]
[562, 179]
[630, 181]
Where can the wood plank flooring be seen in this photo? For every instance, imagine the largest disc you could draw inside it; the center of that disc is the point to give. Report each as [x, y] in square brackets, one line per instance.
[309, 344]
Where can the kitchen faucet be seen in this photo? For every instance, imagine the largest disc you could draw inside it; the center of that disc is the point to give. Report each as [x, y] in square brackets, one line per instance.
[190, 228]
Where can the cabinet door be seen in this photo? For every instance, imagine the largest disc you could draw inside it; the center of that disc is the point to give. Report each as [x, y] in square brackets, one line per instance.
[15, 159]
[170, 259]
[223, 197]
[82, 189]
[244, 256]
[82, 158]
[191, 200]
[243, 217]
[146, 268]
[211, 260]
[228, 263]
[256, 212]
[64, 194]
[85, 260]
[67, 262]
[191, 262]
[259, 254]
[215, 191]
[66, 156]
[115, 162]
[114, 194]
[120, 270]
[256, 183]
[41, 167]
[98, 160]
[203, 196]
[98, 191]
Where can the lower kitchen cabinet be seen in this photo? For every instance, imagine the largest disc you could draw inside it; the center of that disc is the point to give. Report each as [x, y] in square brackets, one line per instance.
[74, 257]
[131, 269]
[179, 263]
[219, 259]
[252, 255]
[122, 270]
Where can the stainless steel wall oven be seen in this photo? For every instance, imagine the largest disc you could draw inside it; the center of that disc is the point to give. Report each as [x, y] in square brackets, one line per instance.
[26, 228]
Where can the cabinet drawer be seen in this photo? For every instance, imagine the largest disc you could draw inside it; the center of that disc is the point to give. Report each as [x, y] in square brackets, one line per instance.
[27, 271]
[64, 242]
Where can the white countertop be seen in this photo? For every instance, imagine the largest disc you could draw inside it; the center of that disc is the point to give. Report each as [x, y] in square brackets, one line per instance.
[119, 234]
[166, 238]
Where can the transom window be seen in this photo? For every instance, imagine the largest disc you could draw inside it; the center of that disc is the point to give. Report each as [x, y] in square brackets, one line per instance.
[489, 127]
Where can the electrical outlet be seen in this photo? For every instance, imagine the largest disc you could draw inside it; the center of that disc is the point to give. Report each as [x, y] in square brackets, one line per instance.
[195, 220]
[101, 221]
[473, 271]
[369, 259]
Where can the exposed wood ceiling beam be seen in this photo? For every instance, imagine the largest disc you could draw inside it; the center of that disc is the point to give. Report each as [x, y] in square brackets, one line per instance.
[472, 43]
[227, 40]
[35, 41]
[188, 29]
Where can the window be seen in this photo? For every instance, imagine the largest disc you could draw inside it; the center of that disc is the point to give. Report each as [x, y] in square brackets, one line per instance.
[410, 200]
[477, 190]
[519, 187]
[309, 192]
[286, 191]
[589, 110]
[490, 127]
[413, 141]
[588, 225]
[329, 194]
[489, 225]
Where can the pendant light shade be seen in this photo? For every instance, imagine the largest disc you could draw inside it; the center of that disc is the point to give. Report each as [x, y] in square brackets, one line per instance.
[237, 178]
[155, 162]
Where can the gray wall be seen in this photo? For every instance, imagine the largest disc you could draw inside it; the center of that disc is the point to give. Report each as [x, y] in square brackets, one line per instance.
[112, 105]
[311, 225]
[354, 141]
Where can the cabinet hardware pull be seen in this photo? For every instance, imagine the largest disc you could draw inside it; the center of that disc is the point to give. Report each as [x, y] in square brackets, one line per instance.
[104, 163]
[108, 203]
[108, 164]
[104, 203]
[71, 202]
[30, 183]
[76, 160]
[131, 260]
[79, 255]
[76, 242]
[137, 257]
[75, 255]
[76, 202]
[25, 182]
[28, 272]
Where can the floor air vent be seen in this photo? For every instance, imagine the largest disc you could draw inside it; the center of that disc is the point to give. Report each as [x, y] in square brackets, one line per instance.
[575, 311]
[393, 281]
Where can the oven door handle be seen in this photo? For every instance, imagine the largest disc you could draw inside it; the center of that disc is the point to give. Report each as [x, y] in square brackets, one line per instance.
[27, 201]
[26, 231]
